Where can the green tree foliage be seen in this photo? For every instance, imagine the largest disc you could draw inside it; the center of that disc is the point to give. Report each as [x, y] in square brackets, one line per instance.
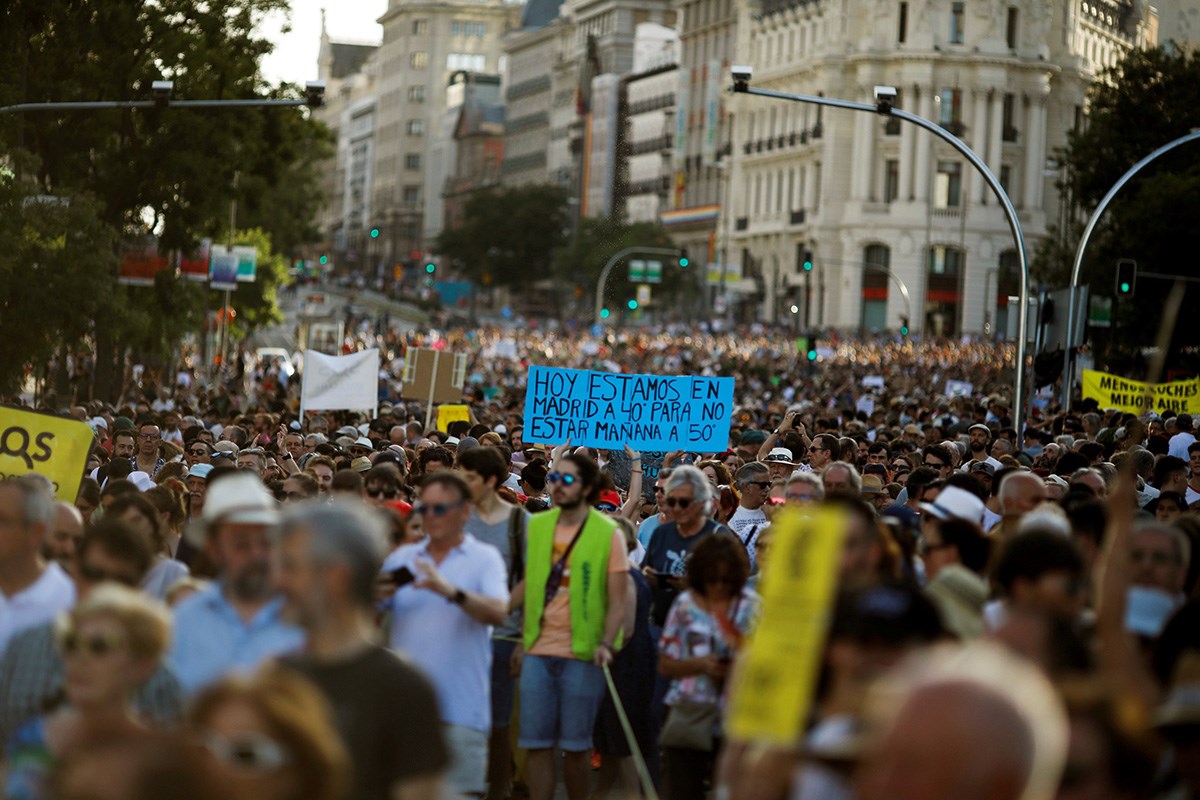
[172, 171]
[509, 235]
[1148, 99]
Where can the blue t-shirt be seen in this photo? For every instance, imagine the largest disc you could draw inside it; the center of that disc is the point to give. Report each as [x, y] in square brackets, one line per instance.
[667, 554]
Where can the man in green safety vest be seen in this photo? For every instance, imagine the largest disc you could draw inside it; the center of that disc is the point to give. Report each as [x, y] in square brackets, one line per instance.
[576, 575]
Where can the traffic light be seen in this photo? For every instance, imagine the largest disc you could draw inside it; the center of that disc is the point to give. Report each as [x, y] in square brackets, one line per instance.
[633, 304]
[324, 260]
[1126, 277]
[605, 313]
[811, 352]
[374, 233]
[903, 325]
[684, 261]
[808, 261]
[430, 267]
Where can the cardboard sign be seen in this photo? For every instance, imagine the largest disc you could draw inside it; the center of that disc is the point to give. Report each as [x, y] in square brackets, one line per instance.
[333, 383]
[609, 410]
[772, 686]
[1112, 391]
[56, 447]
[433, 375]
[959, 388]
[452, 413]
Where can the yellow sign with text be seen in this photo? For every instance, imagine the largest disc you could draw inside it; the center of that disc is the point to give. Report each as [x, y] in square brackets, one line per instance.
[1111, 391]
[452, 413]
[56, 447]
[773, 684]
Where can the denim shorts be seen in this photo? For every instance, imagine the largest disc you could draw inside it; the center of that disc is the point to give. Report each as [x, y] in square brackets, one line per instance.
[504, 686]
[560, 698]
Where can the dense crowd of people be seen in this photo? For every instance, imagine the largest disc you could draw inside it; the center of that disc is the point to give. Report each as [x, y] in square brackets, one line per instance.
[246, 602]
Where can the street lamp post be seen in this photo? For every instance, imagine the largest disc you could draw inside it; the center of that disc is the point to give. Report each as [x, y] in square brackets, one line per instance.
[741, 83]
[1077, 268]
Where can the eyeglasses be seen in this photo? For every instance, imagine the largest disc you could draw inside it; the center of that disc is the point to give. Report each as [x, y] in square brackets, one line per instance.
[815, 449]
[250, 752]
[607, 508]
[435, 509]
[386, 493]
[559, 477]
[764, 485]
[97, 644]
[96, 575]
[660, 490]
[148, 435]
[359, 451]
[679, 502]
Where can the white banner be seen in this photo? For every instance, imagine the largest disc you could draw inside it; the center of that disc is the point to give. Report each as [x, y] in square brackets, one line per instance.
[336, 383]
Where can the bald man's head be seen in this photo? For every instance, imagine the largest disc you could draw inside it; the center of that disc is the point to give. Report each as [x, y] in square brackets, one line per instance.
[62, 542]
[1020, 493]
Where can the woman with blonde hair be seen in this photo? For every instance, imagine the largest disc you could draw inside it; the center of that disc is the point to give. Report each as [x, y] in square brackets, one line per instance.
[273, 735]
[111, 643]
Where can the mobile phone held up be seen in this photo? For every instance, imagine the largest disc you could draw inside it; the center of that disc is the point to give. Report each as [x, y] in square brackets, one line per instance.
[403, 576]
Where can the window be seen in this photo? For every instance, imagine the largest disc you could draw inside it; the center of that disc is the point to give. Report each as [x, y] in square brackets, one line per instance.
[416, 94]
[416, 127]
[471, 62]
[948, 187]
[1009, 132]
[950, 107]
[1006, 178]
[944, 261]
[956, 23]
[420, 27]
[463, 28]
[412, 161]
[1010, 29]
[891, 181]
[418, 60]
[902, 31]
[412, 194]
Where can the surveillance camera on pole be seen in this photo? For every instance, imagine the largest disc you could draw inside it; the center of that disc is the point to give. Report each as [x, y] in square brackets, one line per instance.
[741, 77]
[161, 92]
[885, 98]
[314, 94]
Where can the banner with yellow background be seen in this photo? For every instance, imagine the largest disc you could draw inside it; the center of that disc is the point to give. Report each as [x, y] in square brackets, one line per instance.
[1112, 391]
[56, 447]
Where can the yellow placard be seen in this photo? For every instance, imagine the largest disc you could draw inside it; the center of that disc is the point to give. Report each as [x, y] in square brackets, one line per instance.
[1112, 391]
[452, 413]
[52, 446]
[775, 677]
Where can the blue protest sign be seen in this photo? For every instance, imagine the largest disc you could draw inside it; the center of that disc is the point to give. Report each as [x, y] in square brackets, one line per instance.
[609, 410]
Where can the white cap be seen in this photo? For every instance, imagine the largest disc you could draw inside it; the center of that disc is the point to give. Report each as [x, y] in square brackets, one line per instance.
[239, 498]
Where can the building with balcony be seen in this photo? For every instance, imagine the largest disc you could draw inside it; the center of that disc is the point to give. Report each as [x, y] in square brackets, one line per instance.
[880, 203]
[650, 123]
[476, 124]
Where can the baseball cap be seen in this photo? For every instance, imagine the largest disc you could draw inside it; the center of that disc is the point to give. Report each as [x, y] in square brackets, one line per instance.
[752, 438]
[984, 467]
[200, 471]
[225, 446]
[363, 441]
[955, 503]
[979, 426]
[611, 497]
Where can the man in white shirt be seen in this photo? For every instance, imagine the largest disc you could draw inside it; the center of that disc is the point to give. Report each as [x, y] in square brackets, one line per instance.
[442, 620]
[1181, 441]
[749, 520]
[32, 591]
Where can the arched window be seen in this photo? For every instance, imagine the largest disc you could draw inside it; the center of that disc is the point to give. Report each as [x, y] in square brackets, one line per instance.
[877, 259]
[942, 299]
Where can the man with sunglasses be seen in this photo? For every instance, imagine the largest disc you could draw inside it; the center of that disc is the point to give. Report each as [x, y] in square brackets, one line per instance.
[821, 453]
[198, 452]
[749, 520]
[31, 671]
[574, 595]
[443, 619]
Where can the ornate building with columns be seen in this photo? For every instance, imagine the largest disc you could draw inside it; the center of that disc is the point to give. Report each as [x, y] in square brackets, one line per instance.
[898, 224]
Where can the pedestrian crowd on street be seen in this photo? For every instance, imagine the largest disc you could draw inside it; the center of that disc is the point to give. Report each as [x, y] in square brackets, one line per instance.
[245, 601]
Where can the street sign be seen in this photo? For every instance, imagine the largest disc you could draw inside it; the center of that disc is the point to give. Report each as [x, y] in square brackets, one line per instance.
[654, 272]
[643, 295]
[637, 270]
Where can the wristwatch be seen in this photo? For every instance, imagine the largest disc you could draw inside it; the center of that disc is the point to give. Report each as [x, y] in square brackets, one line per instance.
[459, 597]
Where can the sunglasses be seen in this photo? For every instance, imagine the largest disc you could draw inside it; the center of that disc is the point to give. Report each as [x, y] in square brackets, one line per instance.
[97, 575]
[558, 477]
[435, 509]
[250, 752]
[764, 485]
[679, 502]
[607, 508]
[360, 451]
[199, 452]
[815, 449]
[386, 493]
[97, 644]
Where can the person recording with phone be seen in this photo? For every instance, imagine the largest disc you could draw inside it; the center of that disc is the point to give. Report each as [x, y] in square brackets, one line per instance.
[452, 589]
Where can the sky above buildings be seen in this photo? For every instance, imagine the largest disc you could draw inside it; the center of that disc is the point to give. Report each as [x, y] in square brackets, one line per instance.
[295, 56]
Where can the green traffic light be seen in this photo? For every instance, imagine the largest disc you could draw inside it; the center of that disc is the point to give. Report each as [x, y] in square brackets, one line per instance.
[904, 331]
[1124, 288]
[812, 355]
[808, 266]
[684, 261]
[633, 304]
[604, 313]
[431, 268]
[374, 233]
[324, 260]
